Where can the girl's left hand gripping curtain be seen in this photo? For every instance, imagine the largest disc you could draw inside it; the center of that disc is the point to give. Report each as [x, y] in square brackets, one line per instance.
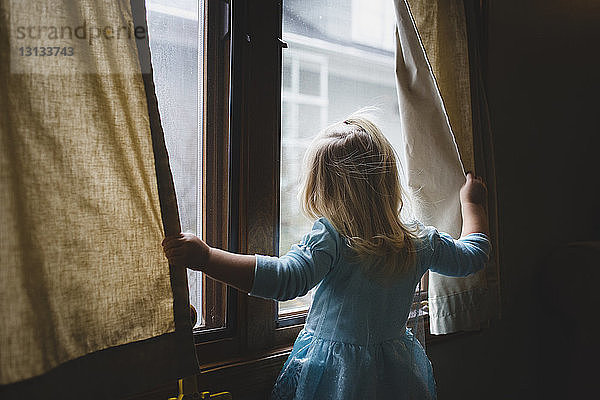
[89, 305]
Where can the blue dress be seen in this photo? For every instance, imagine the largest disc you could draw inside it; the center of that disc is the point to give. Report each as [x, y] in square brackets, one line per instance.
[355, 344]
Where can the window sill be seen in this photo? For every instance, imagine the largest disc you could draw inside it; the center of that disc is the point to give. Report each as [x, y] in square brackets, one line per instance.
[246, 377]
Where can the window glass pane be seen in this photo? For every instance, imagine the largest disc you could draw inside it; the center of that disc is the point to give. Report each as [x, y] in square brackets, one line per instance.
[176, 47]
[364, 12]
[309, 119]
[286, 76]
[339, 59]
[310, 82]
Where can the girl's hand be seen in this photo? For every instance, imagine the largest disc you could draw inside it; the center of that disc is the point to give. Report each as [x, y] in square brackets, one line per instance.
[186, 250]
[473, 191]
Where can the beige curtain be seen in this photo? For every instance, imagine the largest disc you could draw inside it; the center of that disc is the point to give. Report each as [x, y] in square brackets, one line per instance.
[432, 73]
[82, 266]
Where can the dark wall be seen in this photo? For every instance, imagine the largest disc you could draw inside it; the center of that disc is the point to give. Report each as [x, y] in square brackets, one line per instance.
[543, 88]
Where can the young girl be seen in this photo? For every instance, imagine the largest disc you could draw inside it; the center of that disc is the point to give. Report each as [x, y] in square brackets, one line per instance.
[367, 263]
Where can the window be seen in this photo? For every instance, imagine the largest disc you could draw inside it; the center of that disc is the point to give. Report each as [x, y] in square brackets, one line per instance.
[239, 109]
[229, 190]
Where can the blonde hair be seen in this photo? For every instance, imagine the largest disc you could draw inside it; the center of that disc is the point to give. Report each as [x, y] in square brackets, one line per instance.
[351, 178]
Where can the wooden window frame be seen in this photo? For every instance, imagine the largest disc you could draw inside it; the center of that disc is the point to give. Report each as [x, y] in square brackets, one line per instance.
[241, 191]
[245, 198]
[215, 149]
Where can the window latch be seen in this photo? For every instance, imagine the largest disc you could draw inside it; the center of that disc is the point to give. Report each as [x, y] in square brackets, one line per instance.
[226, 17]
[283, 44]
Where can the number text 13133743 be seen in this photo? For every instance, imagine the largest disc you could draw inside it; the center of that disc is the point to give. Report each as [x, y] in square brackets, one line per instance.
[46, 51]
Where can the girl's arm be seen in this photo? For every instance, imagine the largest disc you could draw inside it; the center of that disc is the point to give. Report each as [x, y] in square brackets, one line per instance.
[279, 278]
[472, 200]
[468, 254]
[187, 250]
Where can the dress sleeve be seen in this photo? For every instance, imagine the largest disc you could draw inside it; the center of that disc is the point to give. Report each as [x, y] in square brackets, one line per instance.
[460, 257]
[305, 265]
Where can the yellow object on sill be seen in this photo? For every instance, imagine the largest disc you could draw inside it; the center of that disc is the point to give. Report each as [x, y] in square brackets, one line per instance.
[193, 394]
[216, 396]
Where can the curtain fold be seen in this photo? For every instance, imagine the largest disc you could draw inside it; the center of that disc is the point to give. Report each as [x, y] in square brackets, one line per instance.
[431, 43]
[89, 305]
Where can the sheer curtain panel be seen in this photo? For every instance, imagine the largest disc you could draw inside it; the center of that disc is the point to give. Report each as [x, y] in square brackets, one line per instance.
[89, 306]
